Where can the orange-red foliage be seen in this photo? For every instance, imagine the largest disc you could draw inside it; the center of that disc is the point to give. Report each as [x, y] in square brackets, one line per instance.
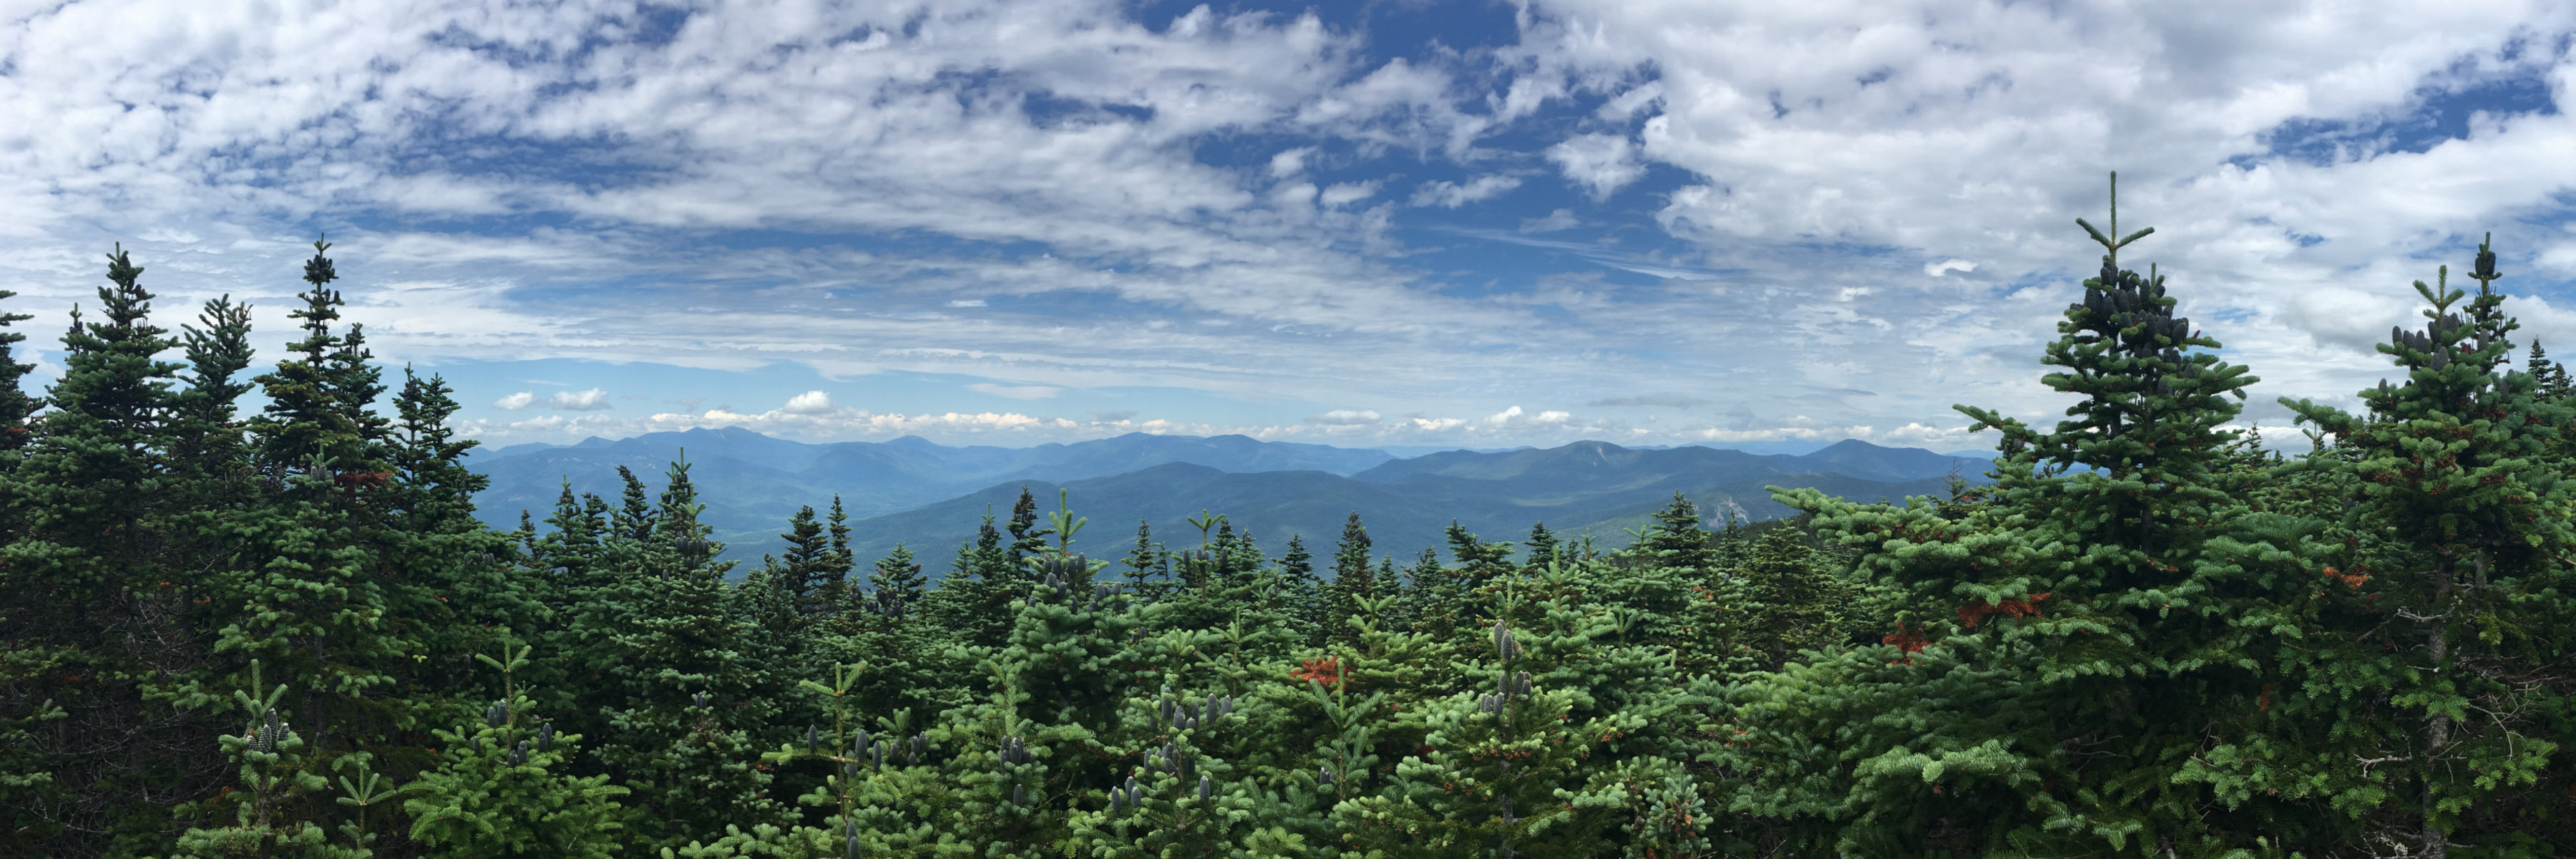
[2027, 606]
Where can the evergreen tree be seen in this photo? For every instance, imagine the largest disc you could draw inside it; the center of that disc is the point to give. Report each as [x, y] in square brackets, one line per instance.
[1676, 539]
[973, 602]
[805, 573]
[85, 592]
[836, 573]
[2457, 523]
[1297, 563]
[1351, 555]
[310, 413]
[2549, 378]
[1027, 537]
[1543, 546]
[207, 437]
[504, 788]
[1143, 560]
[2092, 647]
[897, 581]
[634, 518]
[15, 405]
[275, 776]
[692, 691]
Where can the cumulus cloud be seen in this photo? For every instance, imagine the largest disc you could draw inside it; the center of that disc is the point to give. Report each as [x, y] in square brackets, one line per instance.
[593, 400]
[515, 402]
[1346, 418]
[1600, 163]
[808, 403]
[1947, 266]
[1514, 417]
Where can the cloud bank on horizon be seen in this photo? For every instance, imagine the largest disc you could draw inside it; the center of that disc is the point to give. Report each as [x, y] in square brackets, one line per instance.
[1389, 223]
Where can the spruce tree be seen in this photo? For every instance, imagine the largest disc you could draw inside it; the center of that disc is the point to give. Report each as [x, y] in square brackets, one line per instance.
[693, 699]
[1297, 563]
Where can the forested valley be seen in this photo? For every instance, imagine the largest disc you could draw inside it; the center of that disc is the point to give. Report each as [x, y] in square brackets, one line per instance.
[279, 629]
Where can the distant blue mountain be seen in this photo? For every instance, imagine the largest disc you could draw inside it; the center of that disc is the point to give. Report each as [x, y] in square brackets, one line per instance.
[932, 496]
[1590, 487]
[753, 482]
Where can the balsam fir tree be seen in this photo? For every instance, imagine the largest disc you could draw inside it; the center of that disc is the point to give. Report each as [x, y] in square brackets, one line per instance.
[2456, 530]
[86, 593]
[504, 787]
[2091, 645]
[693, 701]
[15, 405]
[276, 775]
[1677, 538]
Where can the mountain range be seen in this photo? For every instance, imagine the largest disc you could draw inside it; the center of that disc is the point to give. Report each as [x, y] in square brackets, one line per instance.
[932, 497]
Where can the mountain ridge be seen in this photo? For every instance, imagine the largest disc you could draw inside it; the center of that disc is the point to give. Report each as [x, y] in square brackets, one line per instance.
[931, 496]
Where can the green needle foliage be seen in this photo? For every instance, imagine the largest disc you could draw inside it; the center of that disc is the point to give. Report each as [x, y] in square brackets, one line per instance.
[284, 632]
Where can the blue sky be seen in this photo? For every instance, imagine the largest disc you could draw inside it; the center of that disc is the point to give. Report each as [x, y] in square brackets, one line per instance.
[1367, 223]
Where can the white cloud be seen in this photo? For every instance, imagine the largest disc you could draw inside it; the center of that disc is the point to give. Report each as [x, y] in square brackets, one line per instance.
[1947, 266]
[593, 400]
[1600, 163]
[515, 402]
[1819, 149]
[1016, 392]
[1290, 162]
[1513, 417]
[1346, 193]
[1346, 417]
[1452, 195]
[808, 403]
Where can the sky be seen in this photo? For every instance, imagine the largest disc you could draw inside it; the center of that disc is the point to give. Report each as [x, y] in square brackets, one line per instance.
[1394, 223]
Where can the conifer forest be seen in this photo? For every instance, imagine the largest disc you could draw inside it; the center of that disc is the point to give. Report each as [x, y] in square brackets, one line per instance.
[271, 625]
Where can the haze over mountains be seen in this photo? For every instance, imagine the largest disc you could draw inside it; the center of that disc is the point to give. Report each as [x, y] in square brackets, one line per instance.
[932, 497]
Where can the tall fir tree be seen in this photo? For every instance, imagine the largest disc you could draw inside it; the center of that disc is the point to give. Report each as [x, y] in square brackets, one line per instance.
[15, 405]
[2456, 526]
[86, 598]
[2092, 645]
